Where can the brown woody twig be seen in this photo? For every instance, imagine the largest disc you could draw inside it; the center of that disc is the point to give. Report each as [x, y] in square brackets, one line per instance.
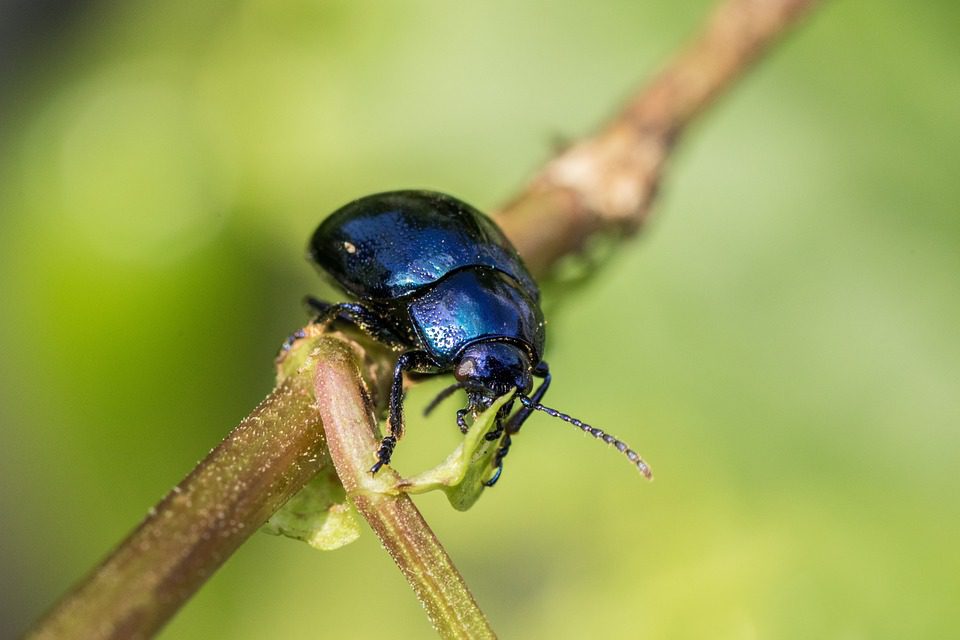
[608, 181]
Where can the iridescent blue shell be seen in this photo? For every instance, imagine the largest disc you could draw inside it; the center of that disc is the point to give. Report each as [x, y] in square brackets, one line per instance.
[390, 245]
[474, 305]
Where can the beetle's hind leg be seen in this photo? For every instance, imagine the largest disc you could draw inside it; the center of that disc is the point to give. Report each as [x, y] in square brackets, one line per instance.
[315, 306]
[354, 313]
[357, 314]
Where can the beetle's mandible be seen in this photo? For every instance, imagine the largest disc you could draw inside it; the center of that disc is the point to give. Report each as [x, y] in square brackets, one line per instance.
[438, 282]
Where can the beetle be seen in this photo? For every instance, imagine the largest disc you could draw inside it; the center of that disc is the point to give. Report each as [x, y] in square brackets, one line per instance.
[437, 281]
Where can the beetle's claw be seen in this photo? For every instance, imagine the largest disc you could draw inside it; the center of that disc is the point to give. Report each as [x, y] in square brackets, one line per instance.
[293, 337]
[496, 476]
[384, 453]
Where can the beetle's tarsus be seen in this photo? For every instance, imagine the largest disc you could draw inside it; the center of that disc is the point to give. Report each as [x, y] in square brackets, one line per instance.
[494, 433]
[496, 476]
[462, 421]
[384, 453]
[293, 337]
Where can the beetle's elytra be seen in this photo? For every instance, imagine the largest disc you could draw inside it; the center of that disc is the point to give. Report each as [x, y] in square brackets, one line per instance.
[437, 281]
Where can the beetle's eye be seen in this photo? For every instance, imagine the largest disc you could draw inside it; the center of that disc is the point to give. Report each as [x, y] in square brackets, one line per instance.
[526, 383]
[465, 369]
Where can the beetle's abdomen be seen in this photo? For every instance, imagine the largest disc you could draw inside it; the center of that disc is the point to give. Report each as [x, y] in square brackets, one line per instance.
[389, 245]
[475, 304]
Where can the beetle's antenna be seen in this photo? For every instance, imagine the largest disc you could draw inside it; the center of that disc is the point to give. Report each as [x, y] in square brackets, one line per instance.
[619, 445]
[443, 395]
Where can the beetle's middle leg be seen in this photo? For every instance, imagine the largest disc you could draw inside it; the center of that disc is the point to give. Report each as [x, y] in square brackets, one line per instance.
[412, 361]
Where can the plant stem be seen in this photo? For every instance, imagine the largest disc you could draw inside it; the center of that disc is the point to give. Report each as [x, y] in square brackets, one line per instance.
[350, 425]
[195, 528]
[607, 181]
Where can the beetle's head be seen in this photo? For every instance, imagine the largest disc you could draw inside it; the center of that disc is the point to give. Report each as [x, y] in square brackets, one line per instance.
[487, 370]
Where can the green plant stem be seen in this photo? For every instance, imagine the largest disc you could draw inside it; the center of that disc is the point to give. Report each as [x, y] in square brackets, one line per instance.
[350, 425]
[265, 460]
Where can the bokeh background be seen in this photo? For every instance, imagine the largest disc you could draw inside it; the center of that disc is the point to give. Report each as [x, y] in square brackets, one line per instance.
[781, 343]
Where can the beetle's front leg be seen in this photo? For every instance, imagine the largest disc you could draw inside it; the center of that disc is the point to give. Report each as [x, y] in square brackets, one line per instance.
[502, 452]
[409, 361]
[515, 422]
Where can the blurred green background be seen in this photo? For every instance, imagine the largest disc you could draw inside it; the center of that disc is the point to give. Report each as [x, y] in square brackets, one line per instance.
[781, 344]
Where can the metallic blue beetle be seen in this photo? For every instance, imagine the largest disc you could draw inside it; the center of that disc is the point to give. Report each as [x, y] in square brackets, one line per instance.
[437, 281]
